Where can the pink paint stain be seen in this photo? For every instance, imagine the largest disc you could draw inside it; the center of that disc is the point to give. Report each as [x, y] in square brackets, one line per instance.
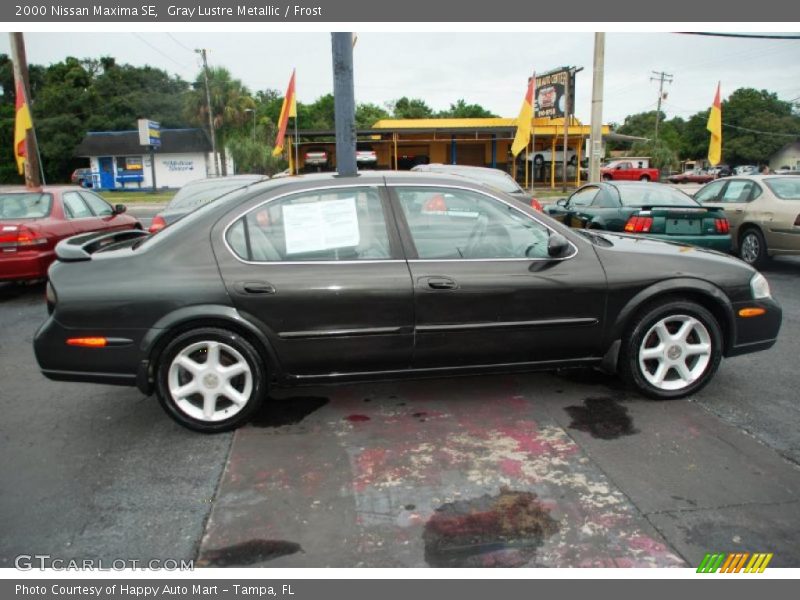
[511, 467]
[357, 418]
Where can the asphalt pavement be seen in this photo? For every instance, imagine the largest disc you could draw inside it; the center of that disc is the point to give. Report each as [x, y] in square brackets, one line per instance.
[541, 470]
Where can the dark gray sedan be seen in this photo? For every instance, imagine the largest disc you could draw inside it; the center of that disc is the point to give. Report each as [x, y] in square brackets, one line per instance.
[324, 279]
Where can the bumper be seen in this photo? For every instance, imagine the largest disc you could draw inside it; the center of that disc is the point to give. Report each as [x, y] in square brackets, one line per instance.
[21, 266]
[752, 334]
[114, 364]
[721, 243]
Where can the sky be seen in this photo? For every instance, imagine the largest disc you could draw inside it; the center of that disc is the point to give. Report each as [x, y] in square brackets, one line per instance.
[490, 69]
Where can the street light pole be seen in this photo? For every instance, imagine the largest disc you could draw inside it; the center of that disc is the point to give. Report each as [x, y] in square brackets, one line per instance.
[214, 169]
[596, 139]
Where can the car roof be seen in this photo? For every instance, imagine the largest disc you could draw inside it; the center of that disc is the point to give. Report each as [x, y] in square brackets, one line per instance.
[440, 167]
[21, 189]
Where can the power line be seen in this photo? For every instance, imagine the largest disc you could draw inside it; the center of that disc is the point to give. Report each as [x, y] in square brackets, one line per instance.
[161, 52]
[792, 135]
[754, 36]
[181, 44]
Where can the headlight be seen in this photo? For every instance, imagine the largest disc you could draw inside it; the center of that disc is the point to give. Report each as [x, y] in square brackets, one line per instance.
[759, 287]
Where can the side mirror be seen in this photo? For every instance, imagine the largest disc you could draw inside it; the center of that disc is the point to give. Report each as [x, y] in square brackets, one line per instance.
[561, 202]
[119, 209]
[557, 245]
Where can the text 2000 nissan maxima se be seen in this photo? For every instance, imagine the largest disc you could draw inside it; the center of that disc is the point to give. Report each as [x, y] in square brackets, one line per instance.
[324, 278]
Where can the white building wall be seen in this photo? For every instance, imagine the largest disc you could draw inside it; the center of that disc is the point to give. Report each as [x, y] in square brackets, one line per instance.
[788, 156]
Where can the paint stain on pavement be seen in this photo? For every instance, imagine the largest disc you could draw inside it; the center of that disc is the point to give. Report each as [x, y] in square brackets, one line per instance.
[357, 418]
[504, 530]
[603, 418]
[287, 412]
[248, 553]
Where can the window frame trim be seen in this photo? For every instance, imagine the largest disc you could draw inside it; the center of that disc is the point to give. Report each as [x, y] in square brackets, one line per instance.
[91, 214]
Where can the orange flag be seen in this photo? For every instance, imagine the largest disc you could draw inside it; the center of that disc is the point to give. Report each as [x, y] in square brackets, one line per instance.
[22, 123]
[289, 109]
[523, 135]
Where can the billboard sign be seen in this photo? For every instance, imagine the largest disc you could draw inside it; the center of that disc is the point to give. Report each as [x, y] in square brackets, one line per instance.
[149, 133]
[551, 93]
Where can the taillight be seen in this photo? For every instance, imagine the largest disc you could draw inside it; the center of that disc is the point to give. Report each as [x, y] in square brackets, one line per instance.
[536, 205]
[797, 221]
[722, 226]
[19, 236]
[639, 224]
[158, 224]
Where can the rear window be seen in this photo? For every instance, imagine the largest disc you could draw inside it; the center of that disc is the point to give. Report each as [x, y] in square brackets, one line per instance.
[785, 188]
[26, 205]
[194, 195]
[653, 194]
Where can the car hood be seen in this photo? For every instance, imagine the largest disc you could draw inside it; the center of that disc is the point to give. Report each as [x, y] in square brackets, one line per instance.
[637, 256]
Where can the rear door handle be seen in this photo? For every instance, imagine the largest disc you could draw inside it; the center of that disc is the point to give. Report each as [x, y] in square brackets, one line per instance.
[254, 287]
[440, 283]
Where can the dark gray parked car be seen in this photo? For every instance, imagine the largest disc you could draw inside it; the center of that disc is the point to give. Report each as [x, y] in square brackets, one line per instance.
[323, 278]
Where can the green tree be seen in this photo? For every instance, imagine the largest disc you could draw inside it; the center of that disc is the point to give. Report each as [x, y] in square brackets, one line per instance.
[462, 110]
[661, 153]
[230, 101]
[368, 114]
[410, 108]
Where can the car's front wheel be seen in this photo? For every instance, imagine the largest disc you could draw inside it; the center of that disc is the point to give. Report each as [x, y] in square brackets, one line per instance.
[210, 380]
[672, 350]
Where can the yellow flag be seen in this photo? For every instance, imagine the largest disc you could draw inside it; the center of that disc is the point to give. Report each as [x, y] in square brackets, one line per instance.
[714, 126]
[523, 136]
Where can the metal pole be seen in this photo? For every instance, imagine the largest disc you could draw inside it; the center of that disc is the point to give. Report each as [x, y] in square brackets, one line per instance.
[296, 150]
[153, 167]
[566, 133]
[214, 166]
[34, 173]
[344, 103]
[596, 139]
[533, 136]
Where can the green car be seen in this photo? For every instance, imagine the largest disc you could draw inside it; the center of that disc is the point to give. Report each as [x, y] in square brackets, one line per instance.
[651, 209]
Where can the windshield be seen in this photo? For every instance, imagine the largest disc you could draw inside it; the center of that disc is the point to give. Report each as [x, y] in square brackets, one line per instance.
[653, 194]
[197, 194]
[26, 205]
[785, 188]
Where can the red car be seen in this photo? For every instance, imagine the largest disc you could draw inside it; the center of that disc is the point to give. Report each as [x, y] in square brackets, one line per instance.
[623, 170]
[693, 176]
[32, 222]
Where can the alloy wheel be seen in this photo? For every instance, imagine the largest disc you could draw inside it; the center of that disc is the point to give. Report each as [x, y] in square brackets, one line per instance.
[750, 248]
[675, 352]
[210, 381]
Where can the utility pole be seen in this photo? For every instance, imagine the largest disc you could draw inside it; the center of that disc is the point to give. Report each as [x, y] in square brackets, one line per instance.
[214, 166]
[34, 175]
[344, 104]
[571, 72]
[596, 139]
[661, 78]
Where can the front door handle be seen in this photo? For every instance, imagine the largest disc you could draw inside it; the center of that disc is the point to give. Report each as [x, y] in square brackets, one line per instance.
[254, 287]
[441, 283]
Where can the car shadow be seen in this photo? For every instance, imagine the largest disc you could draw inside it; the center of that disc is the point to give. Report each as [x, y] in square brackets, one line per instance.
[12, 291]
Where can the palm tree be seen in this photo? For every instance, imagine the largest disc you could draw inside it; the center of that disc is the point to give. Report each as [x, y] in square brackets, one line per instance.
[230, 100]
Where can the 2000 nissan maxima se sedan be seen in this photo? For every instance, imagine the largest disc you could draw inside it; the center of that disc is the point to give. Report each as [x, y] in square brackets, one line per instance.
[324, 278]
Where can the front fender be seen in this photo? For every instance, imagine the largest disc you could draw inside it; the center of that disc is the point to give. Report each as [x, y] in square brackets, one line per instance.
[677, 286]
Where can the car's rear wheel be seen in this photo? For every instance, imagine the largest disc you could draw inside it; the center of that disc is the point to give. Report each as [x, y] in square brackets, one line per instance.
[607, 178]
[210, 380]
[753, 247]
[644, 178]
[672, 350]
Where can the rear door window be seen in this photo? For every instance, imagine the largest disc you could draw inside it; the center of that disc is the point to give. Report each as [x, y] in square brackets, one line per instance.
[339, 224]
[75, 207]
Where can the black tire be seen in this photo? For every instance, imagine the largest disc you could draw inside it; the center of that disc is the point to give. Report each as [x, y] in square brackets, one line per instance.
[628, 366]
[607, 177]
[752, 247]
[231, 339]
[538, 160]
[644, 178]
